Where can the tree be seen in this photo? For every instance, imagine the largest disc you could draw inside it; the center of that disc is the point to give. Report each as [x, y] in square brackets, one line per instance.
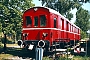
[63, 6]
[83, 34]
[69, 15]
[89, 21]
[82, 21]
[12, 10]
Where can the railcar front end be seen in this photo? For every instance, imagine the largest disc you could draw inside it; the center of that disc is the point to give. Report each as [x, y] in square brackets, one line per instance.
[36, 31]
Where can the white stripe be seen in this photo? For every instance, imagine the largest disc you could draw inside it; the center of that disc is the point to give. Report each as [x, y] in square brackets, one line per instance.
[39, 28]
[48, 28]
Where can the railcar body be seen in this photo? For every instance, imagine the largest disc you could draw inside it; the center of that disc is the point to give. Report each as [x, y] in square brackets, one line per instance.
[45, 27]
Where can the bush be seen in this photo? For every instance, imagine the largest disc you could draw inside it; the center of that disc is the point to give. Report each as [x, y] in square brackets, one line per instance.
[7, 41]
[1, 45]
[83, 34]
[46, 58]
[81, 58]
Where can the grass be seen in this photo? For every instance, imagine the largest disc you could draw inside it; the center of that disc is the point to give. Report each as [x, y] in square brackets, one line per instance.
[74, 58]
[1, 45]
[10, 45]
[81, 58]
[46, 58]
[5, 56]
[9, 53]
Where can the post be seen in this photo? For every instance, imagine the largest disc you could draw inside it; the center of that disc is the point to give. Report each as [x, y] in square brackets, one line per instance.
[89, 40]
[5, 42]
[55, 51]
[86, 48]
[39, 53]
[89, 35]
[67, 51]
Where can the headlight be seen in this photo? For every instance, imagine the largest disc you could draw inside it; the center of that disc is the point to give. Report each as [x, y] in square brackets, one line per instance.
[45, 34]
[25, 34]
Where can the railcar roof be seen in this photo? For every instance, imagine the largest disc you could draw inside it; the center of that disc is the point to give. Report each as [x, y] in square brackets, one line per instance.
[55, 12]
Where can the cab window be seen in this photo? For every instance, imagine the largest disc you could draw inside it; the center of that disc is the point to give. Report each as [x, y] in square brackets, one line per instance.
[35, 21]
[28, 21]
[42, 20]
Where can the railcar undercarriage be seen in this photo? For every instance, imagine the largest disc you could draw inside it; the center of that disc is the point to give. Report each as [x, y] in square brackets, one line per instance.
[45, 44]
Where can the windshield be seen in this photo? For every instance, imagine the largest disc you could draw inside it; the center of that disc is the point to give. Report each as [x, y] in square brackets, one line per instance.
[28, 21]
[42, 20]
[36, 22]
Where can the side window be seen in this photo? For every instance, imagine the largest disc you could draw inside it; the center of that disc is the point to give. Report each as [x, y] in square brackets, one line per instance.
[71, 28]
[62, 24]
[28, 21]
[55, 22]
[42, 20]
[67, 26]
[35, 21]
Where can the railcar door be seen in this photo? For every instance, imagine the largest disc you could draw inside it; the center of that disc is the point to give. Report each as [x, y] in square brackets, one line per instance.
[56, 27]
[67, 29]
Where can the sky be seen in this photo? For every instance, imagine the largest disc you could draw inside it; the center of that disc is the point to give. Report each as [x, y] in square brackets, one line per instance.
[86, 6]
[37, 3]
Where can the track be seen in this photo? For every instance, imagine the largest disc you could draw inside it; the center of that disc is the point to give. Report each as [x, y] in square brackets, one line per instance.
[21, 54]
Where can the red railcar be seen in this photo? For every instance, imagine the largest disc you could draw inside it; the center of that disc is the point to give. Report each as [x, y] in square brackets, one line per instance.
[45, 27]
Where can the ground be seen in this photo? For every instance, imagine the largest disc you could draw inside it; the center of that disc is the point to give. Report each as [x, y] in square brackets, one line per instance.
[14, 52]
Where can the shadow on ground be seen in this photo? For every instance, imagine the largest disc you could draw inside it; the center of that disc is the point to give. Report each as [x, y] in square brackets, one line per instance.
[19, 52]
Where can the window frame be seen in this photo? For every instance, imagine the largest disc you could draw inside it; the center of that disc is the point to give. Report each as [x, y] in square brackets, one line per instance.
[28, 21]
[42, 20]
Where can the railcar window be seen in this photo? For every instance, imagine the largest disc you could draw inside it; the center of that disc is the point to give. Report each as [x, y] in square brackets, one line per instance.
[67, 24]
[36, 21]
[42, 20]
[62, 24]
[28, 21]
[55, 22]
